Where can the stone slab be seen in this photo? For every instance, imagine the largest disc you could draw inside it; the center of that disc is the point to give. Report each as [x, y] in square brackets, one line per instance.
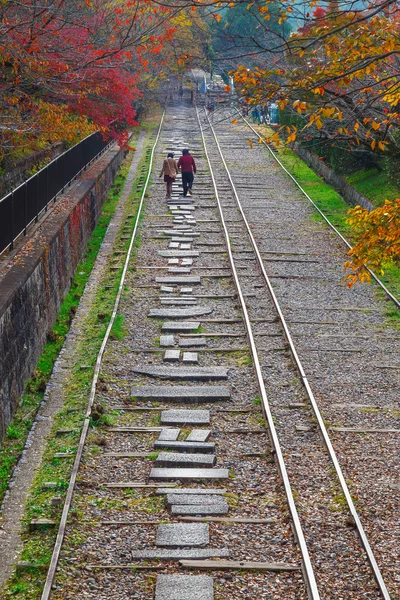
[184, 373]
[185, 446]
[167, 340]
[168, 435]
[172, 355]
[185, 246]
[185, 417]
[193, 499]
[181, 239]
[178, 535]
[182, 393]
[187, 326]
[184, 587]
[178, 253]
[186, 290]
[192, 342]
[178, 554]
[173, 245]
[180, 313]
[182, 459]
[190, 358]
[187, 262]
[199, 509]
[173, 261]
[180, 270]
[198, 491]
[163, 474]
[179, 301]
[175, 279]
[198, 435]
[166, 290]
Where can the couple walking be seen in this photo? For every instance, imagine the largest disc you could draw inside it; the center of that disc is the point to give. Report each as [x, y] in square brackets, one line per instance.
[170, 171]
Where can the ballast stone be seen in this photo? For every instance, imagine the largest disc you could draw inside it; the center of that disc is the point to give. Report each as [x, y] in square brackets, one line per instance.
[173, 535]
[184, 587]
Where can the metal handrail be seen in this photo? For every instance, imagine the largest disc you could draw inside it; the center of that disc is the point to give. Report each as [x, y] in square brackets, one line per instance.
[45, 170]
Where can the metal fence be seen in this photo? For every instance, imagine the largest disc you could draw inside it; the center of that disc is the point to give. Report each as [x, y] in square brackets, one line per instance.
[24, 204]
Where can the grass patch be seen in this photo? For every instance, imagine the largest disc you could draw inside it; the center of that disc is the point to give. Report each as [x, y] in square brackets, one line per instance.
[374, 185]
[118, 330]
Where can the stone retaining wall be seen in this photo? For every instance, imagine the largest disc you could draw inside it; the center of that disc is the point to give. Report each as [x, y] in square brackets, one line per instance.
[32, 289]
[349, 194]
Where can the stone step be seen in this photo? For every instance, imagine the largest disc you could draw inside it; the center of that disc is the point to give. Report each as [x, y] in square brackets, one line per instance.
[186, 326]
[180, 271]
[190, 358]
[168, 435]
[177, 459]
[184, 446]
[182, 393]
[178, 535]
[192, 343]
[199, 509]
[198, 435]
[184, 373]
[180, 313]
[193, 499]
[178, 301]
[178, 554]
[165, 474]
[198, 491]
[172, 356]
[184, 587]
[175, 279]
[185, 417]
[167, 340]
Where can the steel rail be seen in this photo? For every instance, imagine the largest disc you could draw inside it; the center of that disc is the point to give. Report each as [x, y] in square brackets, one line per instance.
[46, 594]
[314, 405]
[307, 568]
[373, 275]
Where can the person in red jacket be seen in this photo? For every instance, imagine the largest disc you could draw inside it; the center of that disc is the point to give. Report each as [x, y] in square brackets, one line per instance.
[188, 167]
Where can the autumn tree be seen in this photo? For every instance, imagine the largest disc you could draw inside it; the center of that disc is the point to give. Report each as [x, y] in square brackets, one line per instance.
[69, 65]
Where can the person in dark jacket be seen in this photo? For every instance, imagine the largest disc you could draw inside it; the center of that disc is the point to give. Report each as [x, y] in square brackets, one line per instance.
[188, 167]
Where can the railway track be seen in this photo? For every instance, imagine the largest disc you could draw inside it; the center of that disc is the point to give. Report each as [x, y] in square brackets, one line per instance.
[211, 479]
